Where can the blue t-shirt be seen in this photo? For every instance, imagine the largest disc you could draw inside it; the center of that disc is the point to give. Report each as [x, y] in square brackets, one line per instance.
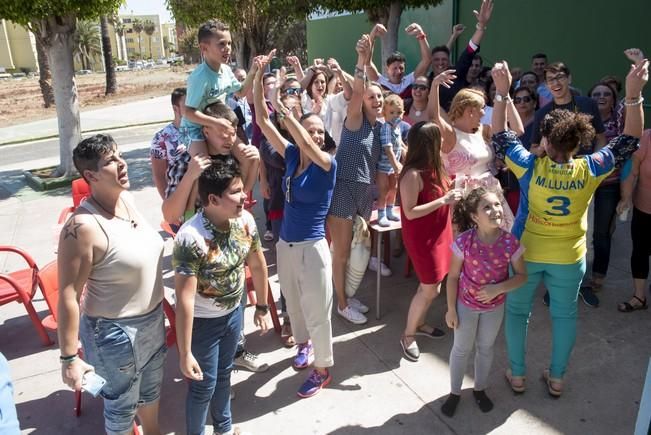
[307, 198]
[207, 86]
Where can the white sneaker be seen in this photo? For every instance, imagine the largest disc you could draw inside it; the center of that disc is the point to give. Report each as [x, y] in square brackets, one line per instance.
[250, 362]
[384, 269]
[268, 236]
[352, 316]
[356, 305]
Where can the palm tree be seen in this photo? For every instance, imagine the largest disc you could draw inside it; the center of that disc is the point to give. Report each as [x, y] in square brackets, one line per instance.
[45, 76]
[149, 28]
[88, 42]
[119, 27]
[138, 27]
[109, 64]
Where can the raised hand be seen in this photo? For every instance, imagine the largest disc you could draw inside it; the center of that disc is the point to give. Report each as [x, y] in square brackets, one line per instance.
[414, 29]
[458, 29]
[446, 78]
[501, 77]
[378, 31]
[197, 165]
[634, 54]
[636, 78]
[485, 12]
[453, 196]
[333, 65]
[363, 47]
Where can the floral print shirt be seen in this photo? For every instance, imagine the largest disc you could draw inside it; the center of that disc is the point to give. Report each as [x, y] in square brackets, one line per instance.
[169, 144]
[216, 258]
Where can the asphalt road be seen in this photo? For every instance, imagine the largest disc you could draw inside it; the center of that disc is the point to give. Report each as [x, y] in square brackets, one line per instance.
[11, 156]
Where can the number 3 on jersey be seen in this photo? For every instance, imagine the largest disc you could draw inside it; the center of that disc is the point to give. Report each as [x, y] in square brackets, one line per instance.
[560, 206]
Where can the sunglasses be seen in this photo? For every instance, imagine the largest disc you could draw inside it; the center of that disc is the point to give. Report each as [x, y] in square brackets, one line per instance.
[419, 87]
[604, 94]
[525, 99]
[293, 91]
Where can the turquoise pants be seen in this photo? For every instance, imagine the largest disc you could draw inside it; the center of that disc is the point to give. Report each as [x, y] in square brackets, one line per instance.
[562, 282]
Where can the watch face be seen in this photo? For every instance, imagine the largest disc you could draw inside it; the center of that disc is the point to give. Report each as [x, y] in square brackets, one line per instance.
[499, 98]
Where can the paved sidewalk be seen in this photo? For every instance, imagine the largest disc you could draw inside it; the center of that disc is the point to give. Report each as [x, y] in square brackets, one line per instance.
[374, 390]
[149, 111]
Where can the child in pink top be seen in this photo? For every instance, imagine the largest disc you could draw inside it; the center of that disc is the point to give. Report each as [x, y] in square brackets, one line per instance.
[477, 282]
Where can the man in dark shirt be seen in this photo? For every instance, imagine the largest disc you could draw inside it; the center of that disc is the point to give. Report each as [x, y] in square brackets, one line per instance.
[558, 79]
[466, 57]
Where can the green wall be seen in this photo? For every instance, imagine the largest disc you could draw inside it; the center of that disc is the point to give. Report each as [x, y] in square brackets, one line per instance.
[588, 35]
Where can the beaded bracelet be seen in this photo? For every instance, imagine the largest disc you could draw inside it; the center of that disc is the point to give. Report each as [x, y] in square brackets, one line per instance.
[639, 100]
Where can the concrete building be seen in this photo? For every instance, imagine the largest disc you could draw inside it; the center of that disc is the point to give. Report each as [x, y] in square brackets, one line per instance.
[17, 48]
[140, 46]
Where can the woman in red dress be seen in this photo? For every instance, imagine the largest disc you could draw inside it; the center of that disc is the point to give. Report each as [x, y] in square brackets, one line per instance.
[426, 227]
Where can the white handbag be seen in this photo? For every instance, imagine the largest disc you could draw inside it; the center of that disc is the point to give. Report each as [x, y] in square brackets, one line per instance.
[360, 252]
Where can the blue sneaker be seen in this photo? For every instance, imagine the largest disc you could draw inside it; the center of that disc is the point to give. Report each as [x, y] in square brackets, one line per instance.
[314, 383]
[304, 356]
[588, 296]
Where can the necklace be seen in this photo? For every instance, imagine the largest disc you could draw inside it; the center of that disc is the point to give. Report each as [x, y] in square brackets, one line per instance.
[133, 223]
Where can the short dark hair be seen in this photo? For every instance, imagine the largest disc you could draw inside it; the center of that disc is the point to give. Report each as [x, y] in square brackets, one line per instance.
[442, 48]
[555, 68]
[209, 29]
[539, 56]
[481, 59]
[89, 151]
[177, 94]
[216, 178]
[220, 110]
[396, 56]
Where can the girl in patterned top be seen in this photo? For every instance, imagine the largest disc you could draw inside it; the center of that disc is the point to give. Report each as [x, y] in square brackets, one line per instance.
[476, 287]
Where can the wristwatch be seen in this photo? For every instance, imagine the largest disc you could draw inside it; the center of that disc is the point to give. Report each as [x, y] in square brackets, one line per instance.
[499, 98]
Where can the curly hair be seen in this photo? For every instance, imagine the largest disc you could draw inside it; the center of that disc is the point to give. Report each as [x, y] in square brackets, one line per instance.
[465, 98]
[566, 130]
[464, 209]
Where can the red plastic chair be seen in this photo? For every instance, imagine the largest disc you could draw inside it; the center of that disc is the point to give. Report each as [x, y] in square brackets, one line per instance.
[20, 286]
[80, 190]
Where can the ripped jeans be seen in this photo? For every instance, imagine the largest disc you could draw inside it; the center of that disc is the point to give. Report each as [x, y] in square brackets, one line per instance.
[130, 354]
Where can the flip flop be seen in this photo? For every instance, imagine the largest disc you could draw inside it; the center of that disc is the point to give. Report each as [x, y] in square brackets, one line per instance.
[517, 389]
[627, 307]
[557, 391]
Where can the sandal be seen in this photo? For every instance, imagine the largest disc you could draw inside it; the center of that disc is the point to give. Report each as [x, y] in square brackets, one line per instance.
[627, 307]
[515, 382]
[286, 335]
[554, 390]
[411, 351]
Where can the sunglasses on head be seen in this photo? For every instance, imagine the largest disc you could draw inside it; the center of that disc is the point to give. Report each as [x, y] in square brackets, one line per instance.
[419, 87]
[293, 91]
[604, 94]
[525, 99]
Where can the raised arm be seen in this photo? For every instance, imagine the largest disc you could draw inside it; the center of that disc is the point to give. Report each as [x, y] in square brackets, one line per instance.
[416, 30]
[354, 112]
[269, 130]
[295, 63]
[448, 137]
[305, 142]
[248, 81]
[457, 30]
[372, 72]
[635, 82]
[345, 78]
[502, 79]
[483, 18]
[175, 205]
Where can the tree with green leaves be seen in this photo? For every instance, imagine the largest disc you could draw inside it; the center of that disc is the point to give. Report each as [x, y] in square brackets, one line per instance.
[109, 63]
[253, 23]
[54, 22]
[189, 45]
[138, 26]
[387, 13]
[119, 27]
[149, 27]
[88, 43]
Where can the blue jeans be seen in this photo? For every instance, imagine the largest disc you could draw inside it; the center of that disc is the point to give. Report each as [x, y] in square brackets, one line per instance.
[214, 341]
[563, 282]
[605, 203]
[8, 418]
[129, 353]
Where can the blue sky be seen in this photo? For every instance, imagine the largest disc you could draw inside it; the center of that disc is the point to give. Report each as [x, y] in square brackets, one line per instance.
[142, 7]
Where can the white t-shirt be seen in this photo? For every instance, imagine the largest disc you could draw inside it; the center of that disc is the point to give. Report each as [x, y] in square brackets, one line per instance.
[406, 81]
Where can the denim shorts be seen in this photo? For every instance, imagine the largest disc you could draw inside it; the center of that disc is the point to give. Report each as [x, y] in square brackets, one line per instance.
[130, 354]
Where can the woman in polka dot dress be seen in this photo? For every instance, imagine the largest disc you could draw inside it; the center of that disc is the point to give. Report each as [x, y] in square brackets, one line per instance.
[476, 287]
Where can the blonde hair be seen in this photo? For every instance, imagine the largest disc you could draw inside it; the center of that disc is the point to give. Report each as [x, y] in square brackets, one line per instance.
[465, 98]
[394, 100]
